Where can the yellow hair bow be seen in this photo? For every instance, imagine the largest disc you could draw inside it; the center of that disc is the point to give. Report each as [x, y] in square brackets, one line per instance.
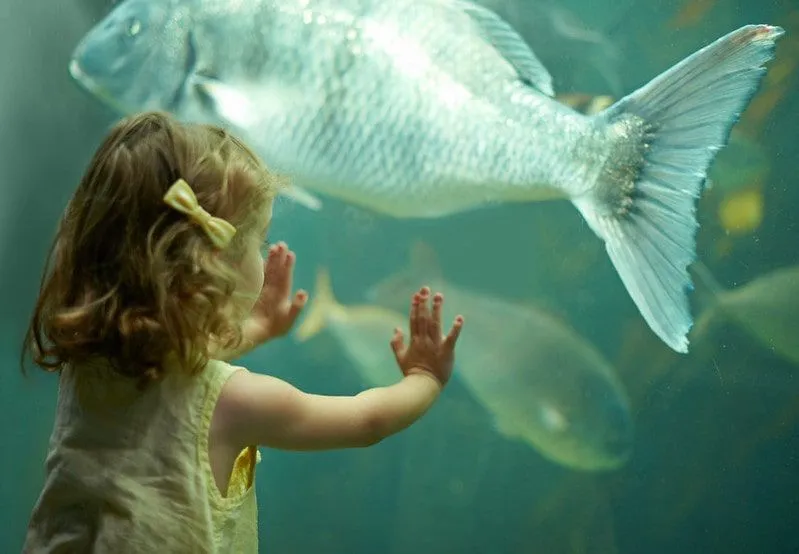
[182, 198]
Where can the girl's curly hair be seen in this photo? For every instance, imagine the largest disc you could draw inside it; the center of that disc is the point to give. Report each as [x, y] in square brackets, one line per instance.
[129, 279]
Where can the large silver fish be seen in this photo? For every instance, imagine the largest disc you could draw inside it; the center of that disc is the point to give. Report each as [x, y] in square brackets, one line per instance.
[423, 108]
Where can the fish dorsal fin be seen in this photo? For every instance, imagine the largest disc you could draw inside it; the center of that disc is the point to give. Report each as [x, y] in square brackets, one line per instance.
[422, 267]
[511, 45]
[236, 107]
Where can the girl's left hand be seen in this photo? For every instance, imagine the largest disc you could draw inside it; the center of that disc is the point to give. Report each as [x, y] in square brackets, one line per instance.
[276, 309]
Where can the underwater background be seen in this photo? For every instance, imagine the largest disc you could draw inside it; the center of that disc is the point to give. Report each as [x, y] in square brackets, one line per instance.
[714, 465]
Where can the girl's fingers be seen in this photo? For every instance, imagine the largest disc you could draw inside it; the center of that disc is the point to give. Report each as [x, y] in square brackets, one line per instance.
[297, 305]
[269, 264]
[279, 269]
[414, 315]
[281, 253]
[397, 345]
[454, 333]
[424, 313]
[435, 322]
[287, 277]
[274, 264]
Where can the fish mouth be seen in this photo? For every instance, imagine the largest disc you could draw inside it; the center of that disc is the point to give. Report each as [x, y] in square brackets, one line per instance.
[77, 73]
[83, 79]
[90, 85]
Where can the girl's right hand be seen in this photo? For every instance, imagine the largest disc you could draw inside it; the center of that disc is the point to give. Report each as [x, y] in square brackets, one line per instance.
[429, 351]
[258, 409]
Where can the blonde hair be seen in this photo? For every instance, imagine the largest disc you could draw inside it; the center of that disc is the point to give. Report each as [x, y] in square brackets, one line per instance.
[131, 280]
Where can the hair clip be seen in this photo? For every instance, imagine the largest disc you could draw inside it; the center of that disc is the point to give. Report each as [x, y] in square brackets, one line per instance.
[181, 198]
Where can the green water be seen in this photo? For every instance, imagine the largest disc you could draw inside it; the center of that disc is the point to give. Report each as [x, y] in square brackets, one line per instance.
[715, 467]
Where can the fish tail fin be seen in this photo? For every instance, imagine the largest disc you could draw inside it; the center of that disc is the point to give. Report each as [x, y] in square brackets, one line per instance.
[666, 135]
[323, 304]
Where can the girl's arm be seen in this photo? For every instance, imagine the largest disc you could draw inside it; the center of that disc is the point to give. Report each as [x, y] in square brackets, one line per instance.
[255, 409]
[263, 410]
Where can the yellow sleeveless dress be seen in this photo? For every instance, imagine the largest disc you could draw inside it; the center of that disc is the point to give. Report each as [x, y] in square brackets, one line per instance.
[129, 471]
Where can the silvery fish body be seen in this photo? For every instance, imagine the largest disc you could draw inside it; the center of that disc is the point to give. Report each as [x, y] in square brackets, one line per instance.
[423, 108]
[402, 107]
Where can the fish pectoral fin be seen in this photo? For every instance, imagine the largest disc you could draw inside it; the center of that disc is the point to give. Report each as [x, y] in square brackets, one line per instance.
[511, 45]
[302, 197]
[227, 101]
[233, 104]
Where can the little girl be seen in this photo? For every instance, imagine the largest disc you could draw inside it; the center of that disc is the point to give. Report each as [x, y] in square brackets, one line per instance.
[155, 279]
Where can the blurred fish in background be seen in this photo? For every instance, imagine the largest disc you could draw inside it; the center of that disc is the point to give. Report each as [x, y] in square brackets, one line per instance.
[767, 308]
[362, 331]
[542, 383]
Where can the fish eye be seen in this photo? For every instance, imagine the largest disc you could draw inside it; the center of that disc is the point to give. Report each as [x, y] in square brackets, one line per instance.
[554, 419]
[133, 26]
